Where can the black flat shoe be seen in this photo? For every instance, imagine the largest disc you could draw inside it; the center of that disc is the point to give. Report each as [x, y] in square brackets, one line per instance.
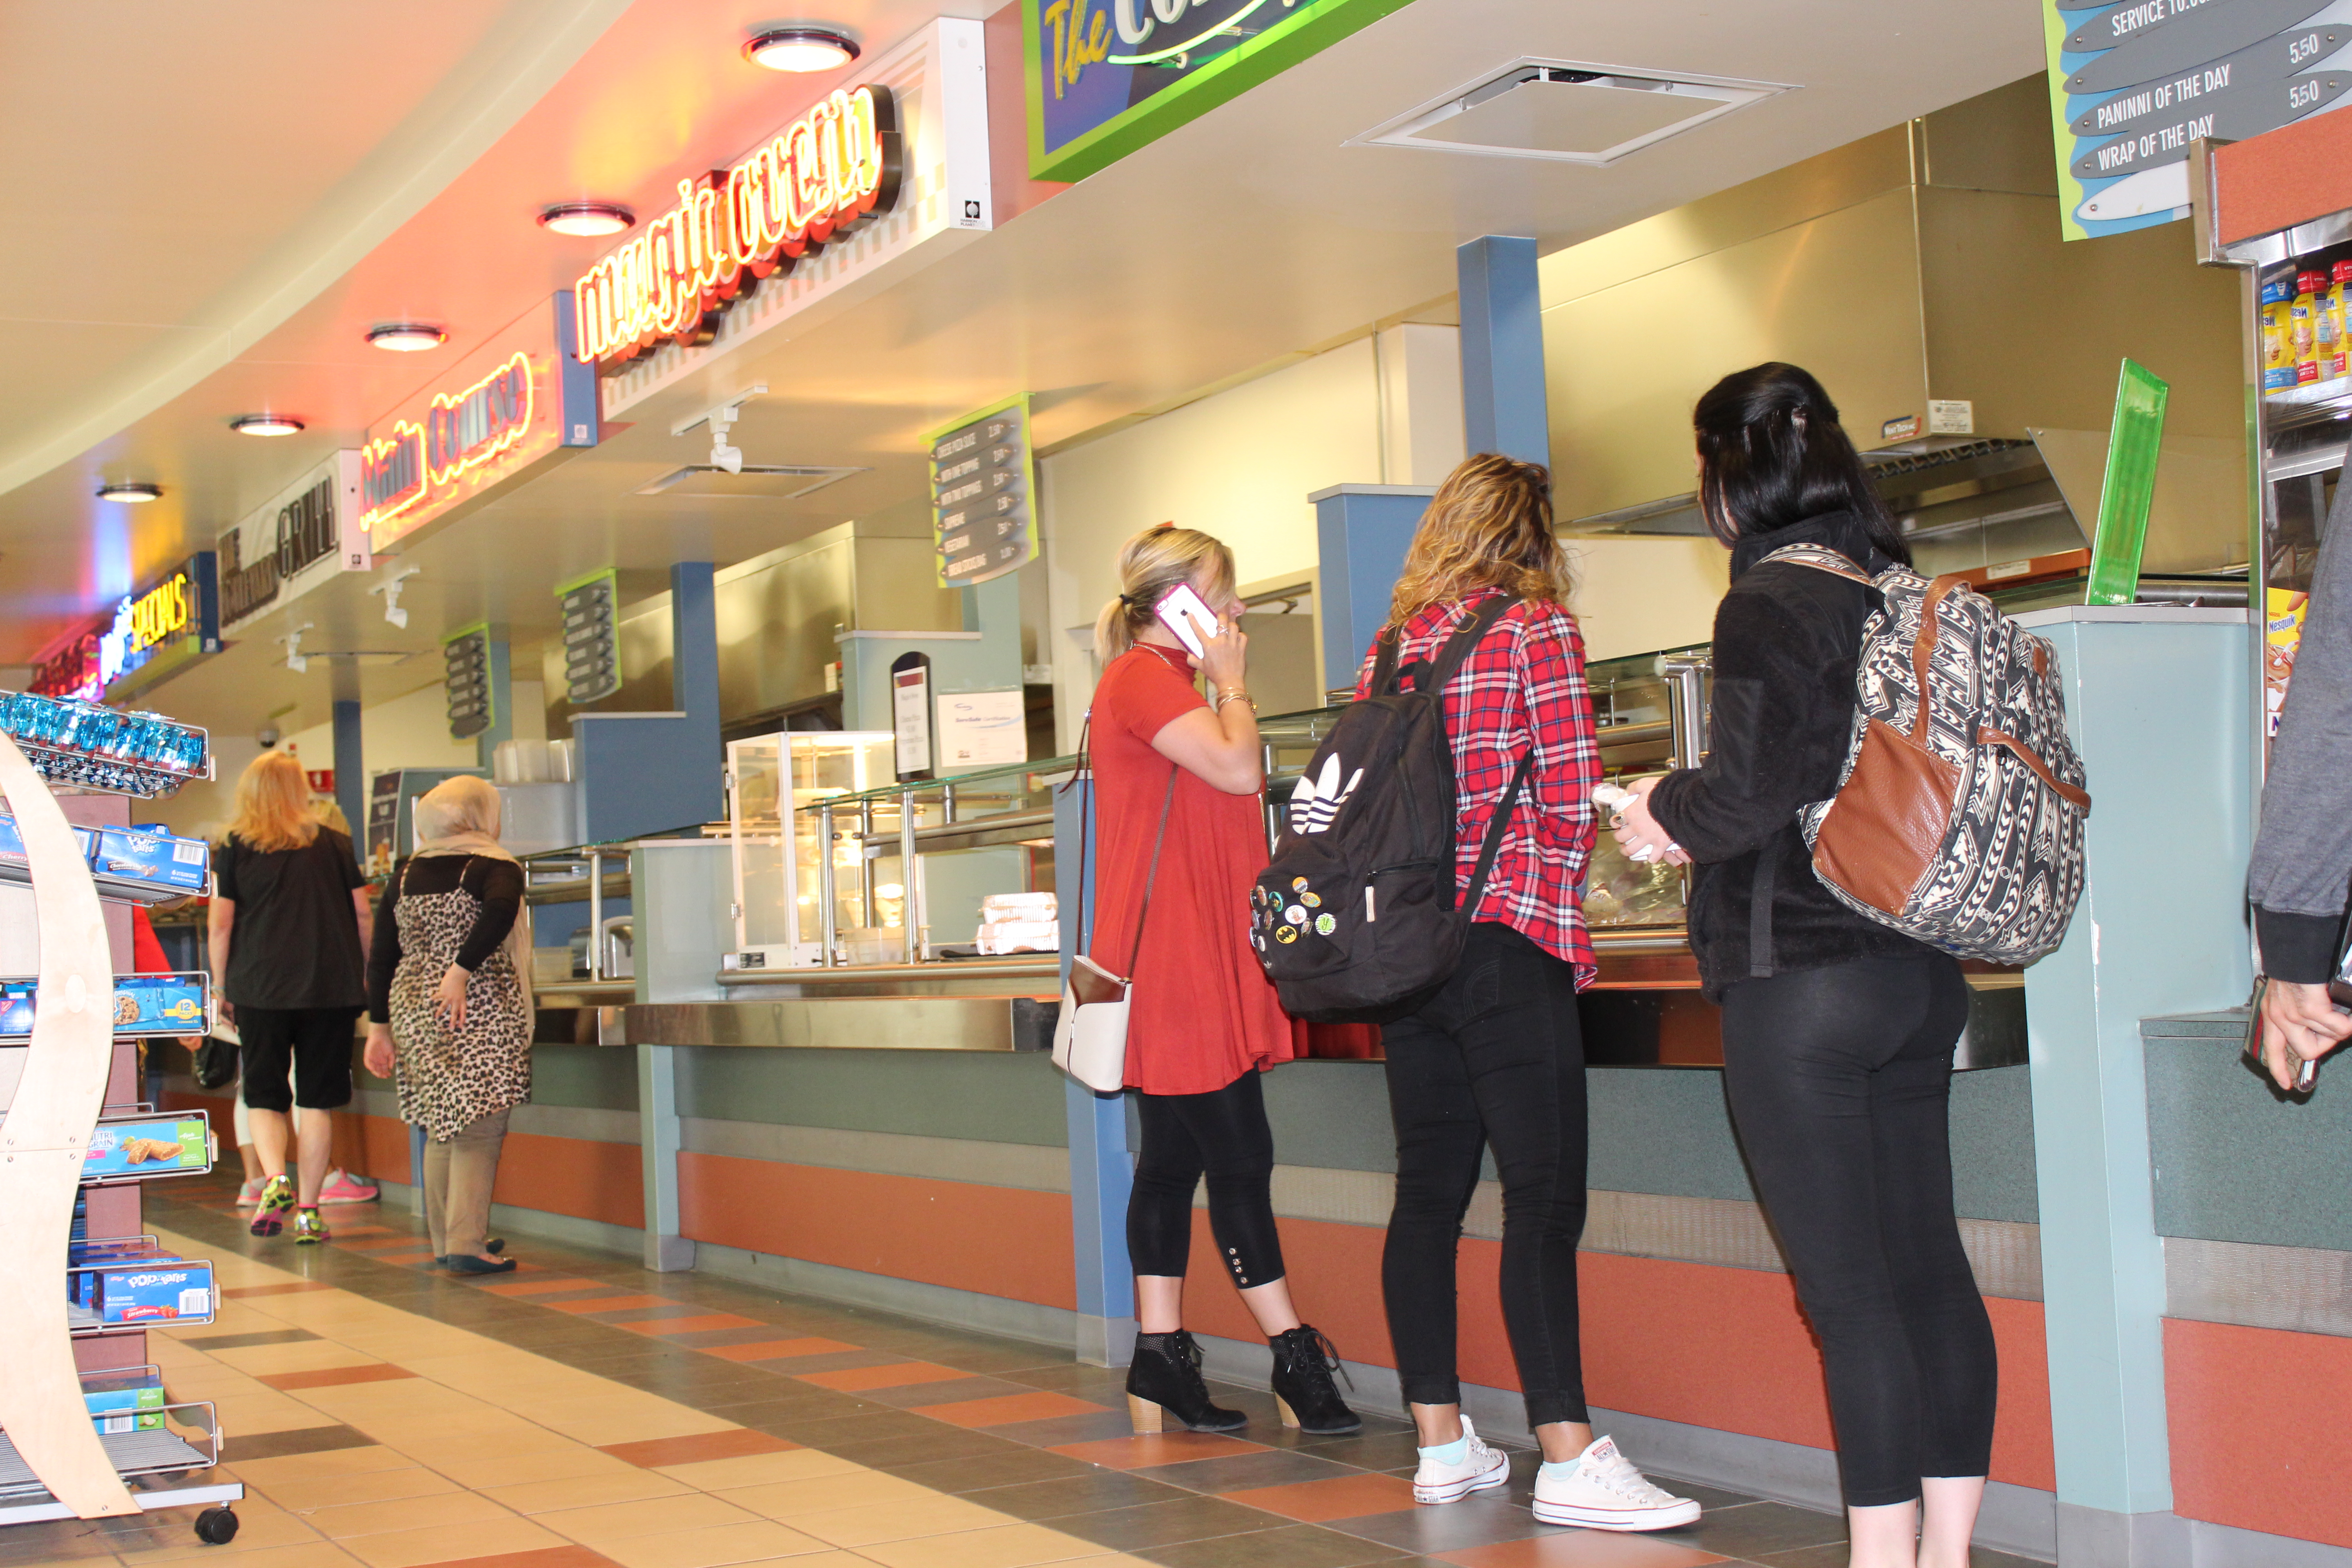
[462, 1263]
[1303, 1360]
[1164, 1379]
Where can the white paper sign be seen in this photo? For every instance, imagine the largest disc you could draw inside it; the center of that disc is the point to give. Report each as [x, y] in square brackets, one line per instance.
[910, 715]
[983, 728]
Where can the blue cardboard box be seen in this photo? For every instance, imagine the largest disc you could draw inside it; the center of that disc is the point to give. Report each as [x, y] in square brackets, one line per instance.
[12, 843]
[152, 855]
[149, 1146]
[153, 1291]
[143, 1005]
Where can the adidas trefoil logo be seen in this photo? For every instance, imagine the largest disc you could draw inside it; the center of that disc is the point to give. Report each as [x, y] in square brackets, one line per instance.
[1315, 804]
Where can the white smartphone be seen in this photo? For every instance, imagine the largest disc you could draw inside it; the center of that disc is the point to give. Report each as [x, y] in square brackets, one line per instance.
[1186, 613]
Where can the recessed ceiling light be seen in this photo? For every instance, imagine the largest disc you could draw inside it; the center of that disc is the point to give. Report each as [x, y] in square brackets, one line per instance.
[800, 50]
[406, 337]
[588, 218]
[130, 494]
[265, 424]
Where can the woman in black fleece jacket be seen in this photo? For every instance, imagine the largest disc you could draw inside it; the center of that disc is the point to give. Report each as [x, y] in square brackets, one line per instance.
[1837, 1031]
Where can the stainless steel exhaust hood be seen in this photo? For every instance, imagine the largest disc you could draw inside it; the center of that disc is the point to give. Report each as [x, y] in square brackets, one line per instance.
[1920, 274]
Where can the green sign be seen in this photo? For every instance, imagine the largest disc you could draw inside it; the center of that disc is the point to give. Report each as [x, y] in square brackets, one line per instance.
[1106, 78]
[2130, 487]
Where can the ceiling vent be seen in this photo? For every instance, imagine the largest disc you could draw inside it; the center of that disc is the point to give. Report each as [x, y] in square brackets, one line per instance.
[1567, 113]
[754, 482]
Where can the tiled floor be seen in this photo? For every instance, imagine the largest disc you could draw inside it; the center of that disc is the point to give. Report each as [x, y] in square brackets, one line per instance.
[582, 1412]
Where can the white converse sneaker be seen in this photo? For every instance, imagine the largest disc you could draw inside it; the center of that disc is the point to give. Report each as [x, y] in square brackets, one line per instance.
[1606, 1492]
[1481, 1468]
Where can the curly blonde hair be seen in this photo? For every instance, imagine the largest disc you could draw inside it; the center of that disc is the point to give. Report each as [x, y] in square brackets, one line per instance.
[1150, 564]
[1489, 525]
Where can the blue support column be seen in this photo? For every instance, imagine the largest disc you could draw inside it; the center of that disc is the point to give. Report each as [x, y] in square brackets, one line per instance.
[694, 666]
[1503, 407]
[415, 1165]
[350, 775]
[2157, 700]
[667, 1251]
[1101, 1171]
[1362, 533]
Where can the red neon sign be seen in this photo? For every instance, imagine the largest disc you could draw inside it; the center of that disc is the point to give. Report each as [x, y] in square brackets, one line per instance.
[832, 169]
[462, 431]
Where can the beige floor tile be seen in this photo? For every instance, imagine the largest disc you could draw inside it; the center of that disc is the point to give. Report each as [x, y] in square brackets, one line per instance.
[758, 1470]
[303, 1355]
[632, 1427]
[899, 1520]
[260, 1525]
[303, 1554]
[586, 1491]
[481, 1471]
[269, 1411]
[1003, 1546]
[406, 1513]
[451, 1543]
[652, 1516]
[316, 1467]
[339, 1491]
[721, 1545]
[789, 1499]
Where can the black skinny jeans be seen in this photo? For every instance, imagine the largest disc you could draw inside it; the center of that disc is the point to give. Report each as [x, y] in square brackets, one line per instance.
[1224, 1135]
[1839, 1080]
[1493, 1059]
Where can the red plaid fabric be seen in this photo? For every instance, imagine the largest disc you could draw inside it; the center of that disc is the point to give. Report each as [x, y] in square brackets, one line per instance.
[1522, 685]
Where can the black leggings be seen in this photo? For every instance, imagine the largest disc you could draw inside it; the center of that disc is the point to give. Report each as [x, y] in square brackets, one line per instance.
[1496, 1059]
[1224, 1135]
[1839, 1080]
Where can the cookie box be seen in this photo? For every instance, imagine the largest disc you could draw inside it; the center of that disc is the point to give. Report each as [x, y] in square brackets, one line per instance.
[149, 1146]
[143, 1005]
[151, 856]
[124, 1402]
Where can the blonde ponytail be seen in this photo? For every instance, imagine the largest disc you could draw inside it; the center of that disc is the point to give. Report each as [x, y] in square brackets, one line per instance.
[1150, 564]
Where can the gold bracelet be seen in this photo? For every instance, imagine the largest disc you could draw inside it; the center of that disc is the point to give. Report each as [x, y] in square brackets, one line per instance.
[1225, 697]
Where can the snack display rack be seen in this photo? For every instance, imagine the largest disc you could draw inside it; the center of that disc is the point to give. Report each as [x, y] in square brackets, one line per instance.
[54, 1461]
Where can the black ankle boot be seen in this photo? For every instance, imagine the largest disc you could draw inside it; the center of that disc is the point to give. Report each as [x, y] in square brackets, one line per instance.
[1164, 1379]
[1304, 1361]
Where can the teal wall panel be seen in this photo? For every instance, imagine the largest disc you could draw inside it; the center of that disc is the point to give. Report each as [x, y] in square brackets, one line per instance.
[995, 1096]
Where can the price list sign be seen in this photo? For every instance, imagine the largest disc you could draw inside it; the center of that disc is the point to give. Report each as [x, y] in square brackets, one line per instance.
[983, 495]
[592, 638]
[467, 682]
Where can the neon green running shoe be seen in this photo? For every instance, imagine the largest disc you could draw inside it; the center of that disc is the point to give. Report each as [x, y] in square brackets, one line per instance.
[270, 1214]
[310, 1230]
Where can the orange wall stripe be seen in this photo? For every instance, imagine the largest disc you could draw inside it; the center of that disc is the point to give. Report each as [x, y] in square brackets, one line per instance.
[572, 1176]
[997, 1241]
[2259, 1437]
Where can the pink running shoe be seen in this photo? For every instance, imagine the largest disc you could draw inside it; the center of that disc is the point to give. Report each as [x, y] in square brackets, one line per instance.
[248, 1196]
[341, 1188]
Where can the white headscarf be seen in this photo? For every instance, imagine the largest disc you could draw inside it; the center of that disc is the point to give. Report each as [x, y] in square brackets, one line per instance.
[460, 816]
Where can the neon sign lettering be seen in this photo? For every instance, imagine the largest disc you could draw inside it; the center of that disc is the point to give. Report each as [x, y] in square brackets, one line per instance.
[832, 169]
[462, 431]
[159, 613]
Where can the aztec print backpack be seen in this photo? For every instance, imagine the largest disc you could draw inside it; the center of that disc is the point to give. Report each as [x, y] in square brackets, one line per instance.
[1958, 820]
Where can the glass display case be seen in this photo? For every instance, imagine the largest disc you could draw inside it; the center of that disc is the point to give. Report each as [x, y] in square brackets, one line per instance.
[910, 864]
[778, 852]
[1650, 713]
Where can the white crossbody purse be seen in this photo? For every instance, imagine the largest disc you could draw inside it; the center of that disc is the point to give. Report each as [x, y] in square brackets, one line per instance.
[1090, 1035]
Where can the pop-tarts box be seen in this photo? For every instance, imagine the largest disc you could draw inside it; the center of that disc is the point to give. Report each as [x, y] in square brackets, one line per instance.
[124, 1402]
[82, 1273]
[149, 1146]
[152, 855]
[143, 1005]
[12, 843]
[154, 1291]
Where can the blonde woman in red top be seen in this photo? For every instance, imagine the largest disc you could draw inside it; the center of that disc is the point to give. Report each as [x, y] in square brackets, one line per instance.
[1178, 810]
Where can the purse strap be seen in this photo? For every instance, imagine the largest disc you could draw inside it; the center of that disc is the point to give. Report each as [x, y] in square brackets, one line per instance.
[1085, 769]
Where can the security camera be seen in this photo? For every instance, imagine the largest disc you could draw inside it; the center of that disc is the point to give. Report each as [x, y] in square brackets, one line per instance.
[267, 735]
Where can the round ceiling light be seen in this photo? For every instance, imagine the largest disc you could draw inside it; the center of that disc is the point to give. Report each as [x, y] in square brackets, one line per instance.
[589, 219]
[800, 50]
[130, 494]
[265, 424]
[406, 337]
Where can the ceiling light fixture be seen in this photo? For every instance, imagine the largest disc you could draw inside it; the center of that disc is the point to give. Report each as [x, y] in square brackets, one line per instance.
[800, 50]
[408, 337]
[265, 424]
[587, 219]
[131, 494]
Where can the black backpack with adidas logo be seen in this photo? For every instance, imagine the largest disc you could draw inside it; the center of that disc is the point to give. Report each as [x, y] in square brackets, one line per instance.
[1354, 918]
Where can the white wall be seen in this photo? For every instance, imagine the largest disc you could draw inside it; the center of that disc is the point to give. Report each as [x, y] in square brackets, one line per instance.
[1240, 464]
[1645, 596]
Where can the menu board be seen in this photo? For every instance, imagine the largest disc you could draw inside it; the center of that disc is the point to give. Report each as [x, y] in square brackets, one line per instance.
[592, 637]
[2132, 83]
[983, 495]
[466, 682]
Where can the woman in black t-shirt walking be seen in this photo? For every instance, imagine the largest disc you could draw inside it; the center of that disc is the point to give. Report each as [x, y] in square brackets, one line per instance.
[289, 927]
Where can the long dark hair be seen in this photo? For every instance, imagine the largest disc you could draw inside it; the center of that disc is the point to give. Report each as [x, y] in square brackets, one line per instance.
[1772, 453]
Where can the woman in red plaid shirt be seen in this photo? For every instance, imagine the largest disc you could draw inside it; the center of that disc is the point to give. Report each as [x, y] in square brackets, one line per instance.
[1494, 1058]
